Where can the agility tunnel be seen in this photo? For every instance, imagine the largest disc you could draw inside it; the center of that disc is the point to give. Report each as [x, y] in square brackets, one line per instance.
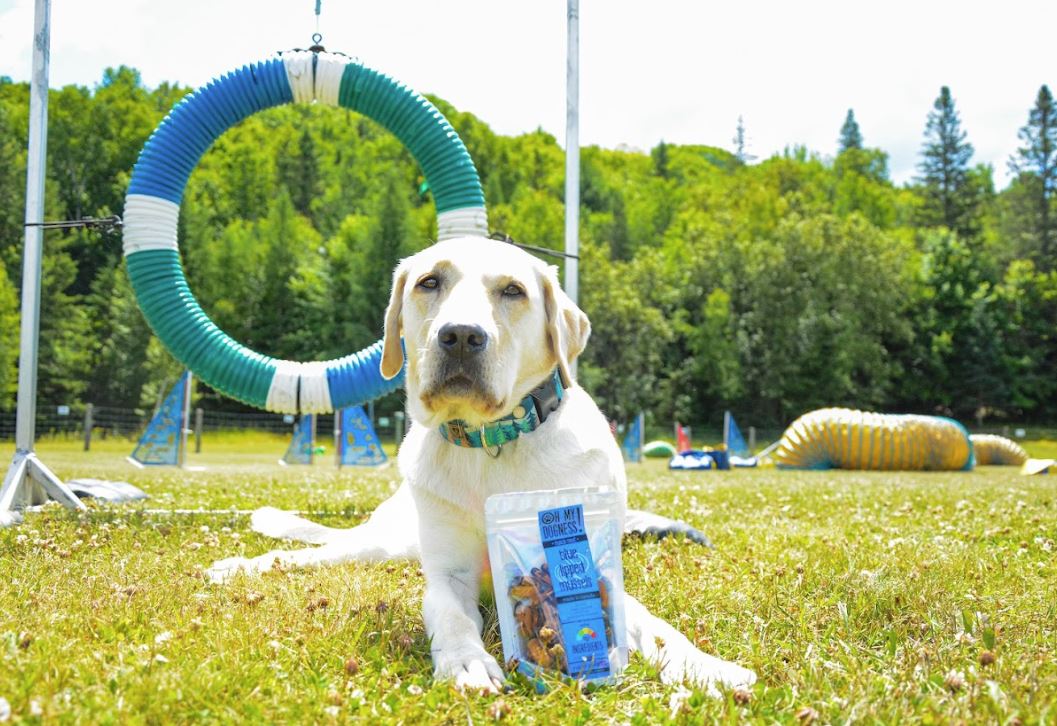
[841, 438]
[991, 450]
[152, 209]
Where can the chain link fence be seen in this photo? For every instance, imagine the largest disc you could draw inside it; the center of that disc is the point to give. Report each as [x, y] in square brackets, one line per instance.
[62, 421]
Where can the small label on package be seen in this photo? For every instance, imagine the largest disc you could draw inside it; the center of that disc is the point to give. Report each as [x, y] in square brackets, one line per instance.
[575, 580]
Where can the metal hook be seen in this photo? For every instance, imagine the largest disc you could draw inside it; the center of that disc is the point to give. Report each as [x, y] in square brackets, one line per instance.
[317, 39]
[504, 237]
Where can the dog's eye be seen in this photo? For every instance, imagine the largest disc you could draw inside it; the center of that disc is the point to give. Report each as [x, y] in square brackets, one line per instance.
[513, 290]
[430, 282]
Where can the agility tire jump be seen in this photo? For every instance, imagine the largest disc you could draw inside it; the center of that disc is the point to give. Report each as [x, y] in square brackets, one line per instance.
[841, 438]
[152, 209]
[992, 450]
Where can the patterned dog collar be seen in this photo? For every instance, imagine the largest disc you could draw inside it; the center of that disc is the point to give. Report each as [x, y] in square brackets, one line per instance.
[527, 416]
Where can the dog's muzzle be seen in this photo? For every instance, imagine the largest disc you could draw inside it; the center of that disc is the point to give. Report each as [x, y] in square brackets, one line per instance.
[459, 366]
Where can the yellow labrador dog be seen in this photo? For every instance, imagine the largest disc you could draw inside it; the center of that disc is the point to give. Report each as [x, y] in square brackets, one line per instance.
[489, 336]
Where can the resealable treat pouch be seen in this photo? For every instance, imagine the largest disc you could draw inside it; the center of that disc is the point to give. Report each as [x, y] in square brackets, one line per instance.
[559, 582]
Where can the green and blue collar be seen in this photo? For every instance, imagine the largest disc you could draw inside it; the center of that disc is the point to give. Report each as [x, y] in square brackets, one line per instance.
[526, 417]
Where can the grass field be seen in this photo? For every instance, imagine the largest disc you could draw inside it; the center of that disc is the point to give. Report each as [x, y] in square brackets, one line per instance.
[857, 597]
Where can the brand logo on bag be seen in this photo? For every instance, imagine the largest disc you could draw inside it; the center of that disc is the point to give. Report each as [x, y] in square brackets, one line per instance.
[557, 524]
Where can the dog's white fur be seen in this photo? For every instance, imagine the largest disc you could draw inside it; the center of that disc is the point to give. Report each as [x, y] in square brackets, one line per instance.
[437, 514]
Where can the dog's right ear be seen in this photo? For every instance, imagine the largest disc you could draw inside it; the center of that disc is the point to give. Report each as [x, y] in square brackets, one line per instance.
[392, 349]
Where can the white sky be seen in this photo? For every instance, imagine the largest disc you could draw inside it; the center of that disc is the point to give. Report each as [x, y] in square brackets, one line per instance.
[678, 71]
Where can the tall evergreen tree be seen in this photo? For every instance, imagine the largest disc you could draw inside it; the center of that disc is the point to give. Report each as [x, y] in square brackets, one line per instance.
[619, 240]
[285, 238]
[961, 365]
[660, 159]
[1035, 163]
[387, 243]
[66, 344]
[9, 333]
[850, 136]
[12, 191]
[119, 336]
[298, 169]
[948, 189]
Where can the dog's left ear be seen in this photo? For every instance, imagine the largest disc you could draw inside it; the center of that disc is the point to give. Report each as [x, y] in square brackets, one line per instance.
[392, 350]
[567, 325]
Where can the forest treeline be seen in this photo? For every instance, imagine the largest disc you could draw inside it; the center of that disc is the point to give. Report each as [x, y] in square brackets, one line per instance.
[807, 279]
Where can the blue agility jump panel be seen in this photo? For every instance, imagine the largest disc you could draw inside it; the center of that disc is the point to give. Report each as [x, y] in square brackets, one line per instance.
[161, 442]
[633, 439]
[300, 449]
[358, 443]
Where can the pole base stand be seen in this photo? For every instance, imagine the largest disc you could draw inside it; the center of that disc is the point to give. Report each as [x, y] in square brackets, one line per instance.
[30, 483]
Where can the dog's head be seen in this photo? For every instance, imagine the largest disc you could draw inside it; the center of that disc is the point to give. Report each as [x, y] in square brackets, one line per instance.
[483, 323]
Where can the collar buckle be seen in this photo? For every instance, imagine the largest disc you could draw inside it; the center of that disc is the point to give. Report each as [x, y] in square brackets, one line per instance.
[547, 396]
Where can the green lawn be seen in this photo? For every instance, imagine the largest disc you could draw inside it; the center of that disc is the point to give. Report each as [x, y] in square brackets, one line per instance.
[855, 596]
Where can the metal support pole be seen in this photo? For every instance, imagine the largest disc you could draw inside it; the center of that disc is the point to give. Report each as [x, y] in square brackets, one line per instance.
[572, 158]
[36, 169]
[199, 417]
[337, 436]
[398, 427]
[185, 421]
[28, 481]
[641, 443]
[88, 423]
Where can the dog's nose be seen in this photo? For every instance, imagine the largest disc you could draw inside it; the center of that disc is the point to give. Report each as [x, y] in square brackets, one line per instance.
[462, 339]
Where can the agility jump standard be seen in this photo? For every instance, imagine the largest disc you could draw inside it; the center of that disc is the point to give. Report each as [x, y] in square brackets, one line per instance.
[152, 209]
[28, 481]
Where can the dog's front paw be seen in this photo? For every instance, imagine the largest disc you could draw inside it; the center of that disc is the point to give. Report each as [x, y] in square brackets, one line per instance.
[223, 570]
[707, 671]
[272, 522]
[648, 524]
[472, 670]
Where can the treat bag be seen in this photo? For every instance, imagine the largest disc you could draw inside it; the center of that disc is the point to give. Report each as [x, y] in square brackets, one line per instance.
[558, 579]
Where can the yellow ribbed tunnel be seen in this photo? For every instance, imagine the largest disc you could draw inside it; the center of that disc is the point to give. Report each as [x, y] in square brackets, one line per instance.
[843, 438]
